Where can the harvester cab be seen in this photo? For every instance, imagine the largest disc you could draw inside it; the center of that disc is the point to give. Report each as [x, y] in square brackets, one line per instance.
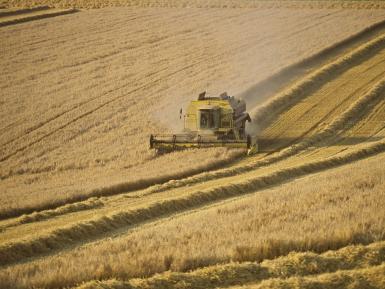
[210, 122]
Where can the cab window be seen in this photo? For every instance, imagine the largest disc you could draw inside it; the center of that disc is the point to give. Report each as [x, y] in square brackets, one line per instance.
[207, 118]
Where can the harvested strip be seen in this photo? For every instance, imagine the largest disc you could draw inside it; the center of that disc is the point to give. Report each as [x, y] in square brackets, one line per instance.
[312, 115]
[281, 79]
[363, 123]
[266, 113]
[302, 264]
[353, 114]
[99, 227]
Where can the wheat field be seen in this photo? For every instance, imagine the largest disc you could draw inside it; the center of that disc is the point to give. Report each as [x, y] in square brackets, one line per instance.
[84, 103]
[84, 201]
[265, 225]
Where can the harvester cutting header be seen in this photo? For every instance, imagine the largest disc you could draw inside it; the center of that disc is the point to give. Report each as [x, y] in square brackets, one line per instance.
[210, 122]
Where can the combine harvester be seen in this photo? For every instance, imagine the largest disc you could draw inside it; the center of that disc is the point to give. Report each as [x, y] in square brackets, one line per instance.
[210, 122]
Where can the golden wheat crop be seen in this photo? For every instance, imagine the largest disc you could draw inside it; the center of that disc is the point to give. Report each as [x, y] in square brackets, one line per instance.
[83, 200]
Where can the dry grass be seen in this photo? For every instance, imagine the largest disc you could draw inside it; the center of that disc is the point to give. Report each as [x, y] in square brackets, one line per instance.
[326, 211]
[80, 93]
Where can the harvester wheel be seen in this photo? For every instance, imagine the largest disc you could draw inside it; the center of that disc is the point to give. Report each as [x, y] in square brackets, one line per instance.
[151, 141]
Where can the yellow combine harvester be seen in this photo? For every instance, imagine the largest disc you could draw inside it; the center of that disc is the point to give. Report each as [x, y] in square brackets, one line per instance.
[210, 122]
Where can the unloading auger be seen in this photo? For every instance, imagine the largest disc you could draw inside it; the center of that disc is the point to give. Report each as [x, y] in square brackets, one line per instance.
[210, 122]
